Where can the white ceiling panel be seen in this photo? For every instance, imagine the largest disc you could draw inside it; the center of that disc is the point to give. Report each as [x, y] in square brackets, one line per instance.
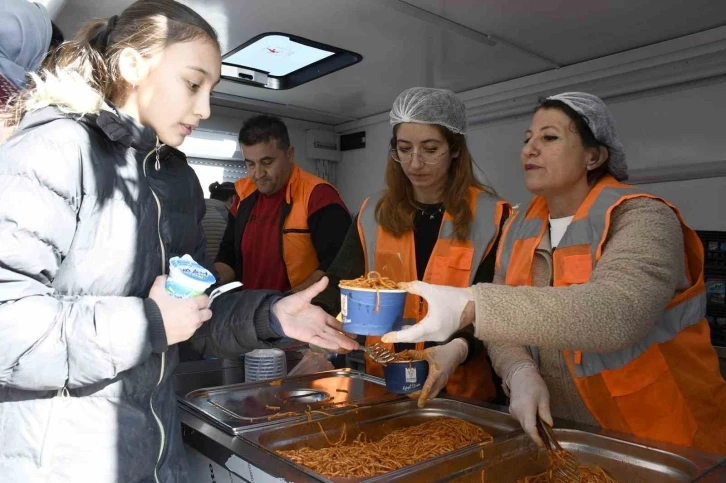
[571, 31]
[402, 49]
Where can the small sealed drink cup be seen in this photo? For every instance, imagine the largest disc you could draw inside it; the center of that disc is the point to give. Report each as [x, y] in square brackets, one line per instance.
[187, 278]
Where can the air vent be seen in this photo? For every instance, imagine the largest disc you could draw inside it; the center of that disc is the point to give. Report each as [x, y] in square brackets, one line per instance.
[322, 145]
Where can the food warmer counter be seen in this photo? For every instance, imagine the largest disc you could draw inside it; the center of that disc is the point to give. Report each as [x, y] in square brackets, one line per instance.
[232, 434]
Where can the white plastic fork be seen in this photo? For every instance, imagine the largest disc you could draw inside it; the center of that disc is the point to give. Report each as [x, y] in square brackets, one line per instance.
[221, 290]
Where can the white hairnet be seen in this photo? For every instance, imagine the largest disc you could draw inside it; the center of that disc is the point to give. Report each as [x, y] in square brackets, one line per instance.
[601, 123]
[425, 105]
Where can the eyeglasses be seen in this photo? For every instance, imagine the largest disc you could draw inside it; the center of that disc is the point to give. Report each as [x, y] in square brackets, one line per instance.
[425, 157]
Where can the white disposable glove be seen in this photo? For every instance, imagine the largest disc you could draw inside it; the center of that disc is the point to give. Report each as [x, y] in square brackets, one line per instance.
[446, 305]
[529, 397]
[443, 361]
[310, 324]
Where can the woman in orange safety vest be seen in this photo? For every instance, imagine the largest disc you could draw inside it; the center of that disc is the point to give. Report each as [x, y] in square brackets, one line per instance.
[434, 221]
[599, 315]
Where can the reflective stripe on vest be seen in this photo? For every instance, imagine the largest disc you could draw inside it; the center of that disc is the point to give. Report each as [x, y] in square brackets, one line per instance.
[587, 231]
[483, 229]
[367, 220]
[672, 322]
[517, 228]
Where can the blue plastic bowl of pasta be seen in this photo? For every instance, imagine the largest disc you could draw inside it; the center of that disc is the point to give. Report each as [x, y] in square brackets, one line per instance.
[405, 377]
[366, 311]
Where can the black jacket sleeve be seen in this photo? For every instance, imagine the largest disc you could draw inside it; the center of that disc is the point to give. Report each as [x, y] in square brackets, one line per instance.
[200, 252]
[348, 264]
[227, 253]
[240, 323]
[328, 228]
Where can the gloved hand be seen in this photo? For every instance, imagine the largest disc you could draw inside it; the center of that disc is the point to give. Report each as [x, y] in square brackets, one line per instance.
[443, 361]
[444, 317]
[307, 323]
[529, 397]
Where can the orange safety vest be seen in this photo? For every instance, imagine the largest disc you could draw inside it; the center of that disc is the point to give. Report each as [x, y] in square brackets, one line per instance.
[667, 387]
[298, 251]
[452, 262]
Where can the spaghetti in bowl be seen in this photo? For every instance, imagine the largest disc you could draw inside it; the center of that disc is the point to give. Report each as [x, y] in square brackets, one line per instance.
[371, 305]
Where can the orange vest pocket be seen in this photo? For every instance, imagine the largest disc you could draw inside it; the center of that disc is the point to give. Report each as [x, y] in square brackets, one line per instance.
[635, 387]
[453, 269]
[576, 269]
[461, 257]
[643, 371]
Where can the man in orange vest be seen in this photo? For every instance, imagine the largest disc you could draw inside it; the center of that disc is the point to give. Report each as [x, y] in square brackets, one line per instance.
[285, 223]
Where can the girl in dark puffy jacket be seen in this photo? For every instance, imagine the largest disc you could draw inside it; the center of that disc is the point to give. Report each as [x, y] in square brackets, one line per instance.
[91, 210]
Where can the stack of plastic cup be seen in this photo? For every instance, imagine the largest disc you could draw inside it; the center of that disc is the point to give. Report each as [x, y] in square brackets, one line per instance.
[263, 364]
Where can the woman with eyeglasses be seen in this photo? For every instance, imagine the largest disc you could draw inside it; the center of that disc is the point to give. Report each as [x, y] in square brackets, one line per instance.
[597, 310]
[434, 222]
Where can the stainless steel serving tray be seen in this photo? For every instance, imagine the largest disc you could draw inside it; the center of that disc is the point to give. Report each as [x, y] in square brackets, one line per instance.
[377, 421]
[240, 407]
[517, 457]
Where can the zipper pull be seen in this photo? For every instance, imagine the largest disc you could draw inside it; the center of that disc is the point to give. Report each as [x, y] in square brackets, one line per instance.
[157, 165]
[63, 392]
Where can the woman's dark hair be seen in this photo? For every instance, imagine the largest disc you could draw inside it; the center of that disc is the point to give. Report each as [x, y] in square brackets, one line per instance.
[222, 191]
[582, 128]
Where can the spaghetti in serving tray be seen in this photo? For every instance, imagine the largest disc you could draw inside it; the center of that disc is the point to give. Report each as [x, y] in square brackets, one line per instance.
[400, 426]
[518, 460]
[364, 457]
